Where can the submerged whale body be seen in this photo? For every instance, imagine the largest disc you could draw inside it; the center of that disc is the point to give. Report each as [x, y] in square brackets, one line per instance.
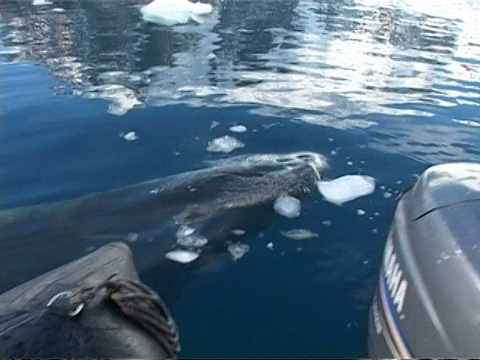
[194, 211]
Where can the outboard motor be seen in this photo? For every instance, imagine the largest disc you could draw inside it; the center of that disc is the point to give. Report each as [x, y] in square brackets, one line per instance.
[94, 307]
[428, 299]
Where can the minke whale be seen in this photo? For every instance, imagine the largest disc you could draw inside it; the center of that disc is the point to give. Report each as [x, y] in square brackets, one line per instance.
[198, 211]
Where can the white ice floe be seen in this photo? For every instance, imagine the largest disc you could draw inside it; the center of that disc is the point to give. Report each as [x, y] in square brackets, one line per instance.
[270, 246]
[361, 212]
[225, 144]
[184, 230]
[238, 232]
[192, 240]
[129, 136]
[287, 206]
[238, 129]
[299, 234]
[346, 188]
[238, 250]
[41, 2]
[182, 256]
[132, 237]
[174, 12]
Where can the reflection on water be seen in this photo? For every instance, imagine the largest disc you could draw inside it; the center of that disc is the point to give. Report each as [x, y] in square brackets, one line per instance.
[343, 64]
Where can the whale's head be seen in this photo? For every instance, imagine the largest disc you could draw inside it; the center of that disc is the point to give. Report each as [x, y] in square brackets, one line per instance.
[273, 162]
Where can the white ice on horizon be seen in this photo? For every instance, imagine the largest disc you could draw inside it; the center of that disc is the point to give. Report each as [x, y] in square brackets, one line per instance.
[174, 12]
[225, 144]
[238, 129]
[182, 256]
[346, 188]
[41, 2]
[287, 206]
[238, 250]
[299, 234]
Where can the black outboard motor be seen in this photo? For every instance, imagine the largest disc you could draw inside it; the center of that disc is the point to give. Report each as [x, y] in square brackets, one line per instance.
[428, 299]
[94, 307]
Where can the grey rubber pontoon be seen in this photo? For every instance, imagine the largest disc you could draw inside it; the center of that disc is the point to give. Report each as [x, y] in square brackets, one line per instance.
[94, 307]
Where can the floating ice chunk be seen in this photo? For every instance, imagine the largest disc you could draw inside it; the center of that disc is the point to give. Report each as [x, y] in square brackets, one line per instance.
[192, 241]
[238, 232]
[130, 136]
[211, 56]
[173, 12]
[238, 129]
[361, 212]
[299, 234]
[214, 124]
[184, 230]
[57, 10]
[387, 195]
[238, 250]
[327, 222]
[287, 206]
[270, 245]
[182, 256]
[41, 2]
[346, 188]
[225, 144]
[132, 237]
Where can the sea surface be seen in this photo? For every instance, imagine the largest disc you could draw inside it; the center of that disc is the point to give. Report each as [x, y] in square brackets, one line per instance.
[381, 88]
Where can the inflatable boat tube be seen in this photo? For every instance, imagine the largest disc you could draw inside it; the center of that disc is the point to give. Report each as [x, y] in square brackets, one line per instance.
[93, 307]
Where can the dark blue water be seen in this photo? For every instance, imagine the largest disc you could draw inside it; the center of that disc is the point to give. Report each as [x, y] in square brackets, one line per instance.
[380, 88]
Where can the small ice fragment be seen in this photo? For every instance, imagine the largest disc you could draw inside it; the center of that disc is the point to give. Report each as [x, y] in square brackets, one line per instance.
[238, 232]
[376, 213]
[299, 234]
[238, 250]
[130, 136]
[383, 187]
[287, 206]
[349, 163]
[299, 248]
[346, 188]
[361, 212]
[214, 124]
[211, 56]
[225, 144]
[387, 195]
[270, 245]
[182, 256]
[327, 222]
[330, 139]
[132, 237]
[333, 152]
[375, 231]
[184, 230]
[192, 241]
[89, 248]
[238, 129]
[398, 182]
[57, 10]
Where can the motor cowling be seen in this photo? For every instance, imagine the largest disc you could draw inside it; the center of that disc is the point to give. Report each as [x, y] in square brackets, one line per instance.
[427, 303]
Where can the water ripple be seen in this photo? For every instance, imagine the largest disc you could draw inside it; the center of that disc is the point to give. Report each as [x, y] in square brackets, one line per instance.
[345, 64]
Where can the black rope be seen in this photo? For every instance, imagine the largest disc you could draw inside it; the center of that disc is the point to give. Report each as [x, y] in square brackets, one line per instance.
[142, 305]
